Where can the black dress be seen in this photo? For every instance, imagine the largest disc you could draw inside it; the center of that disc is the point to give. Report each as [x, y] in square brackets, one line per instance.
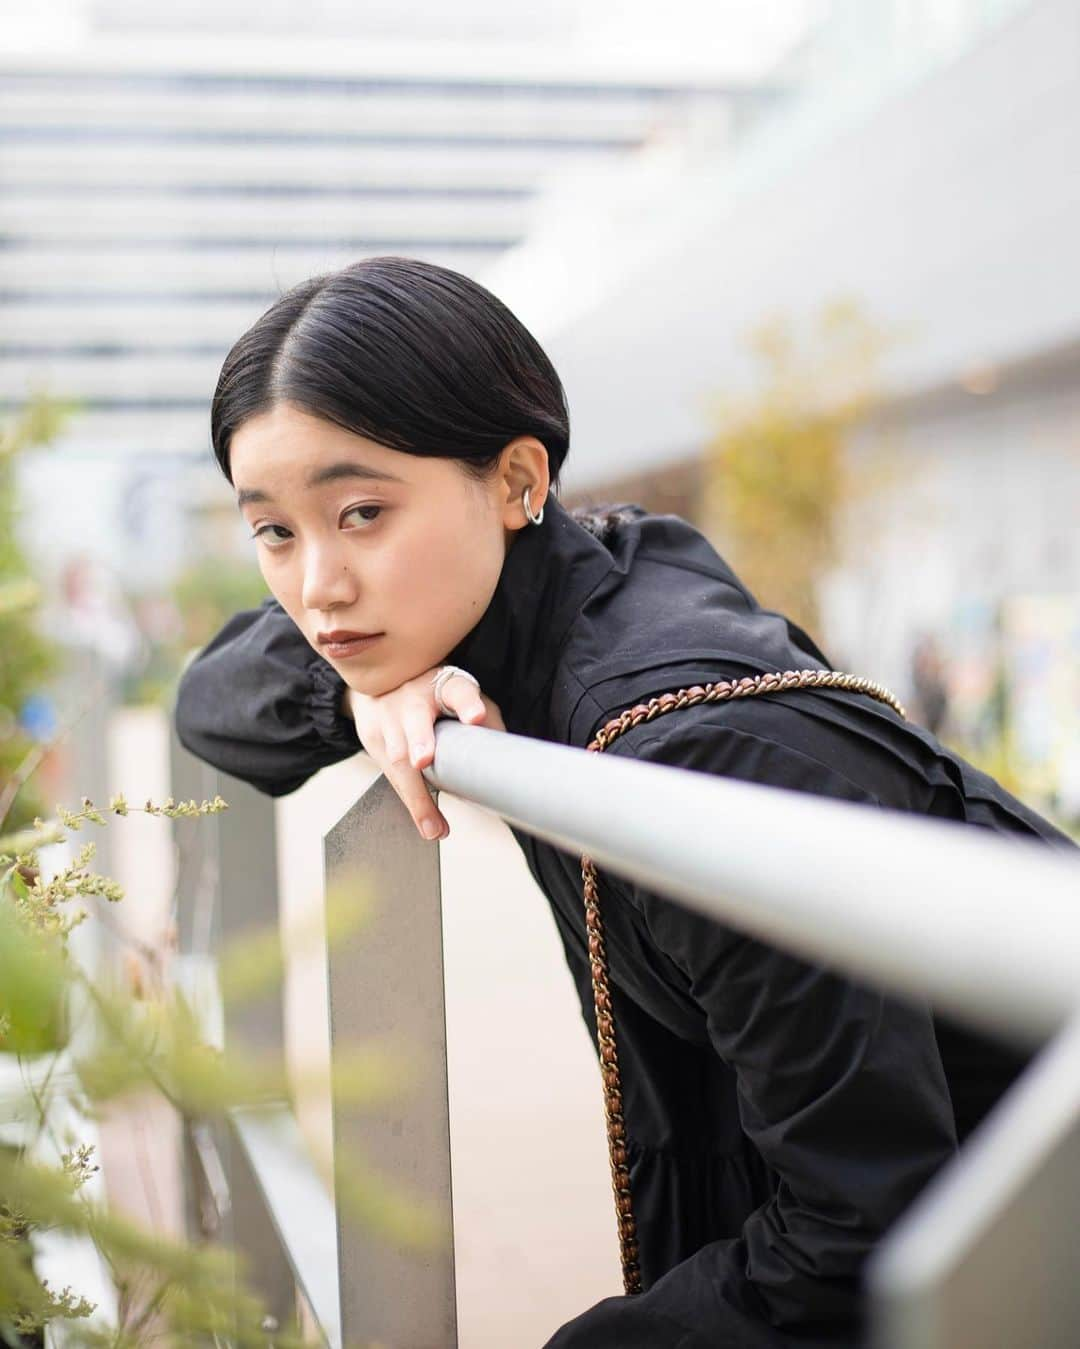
[781, 1116]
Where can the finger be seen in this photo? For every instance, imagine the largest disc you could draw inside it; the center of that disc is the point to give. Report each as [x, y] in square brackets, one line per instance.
[395, 748]
[406, 780]
[416, 796]
[418, 721]
[463, 698]
[494, 717]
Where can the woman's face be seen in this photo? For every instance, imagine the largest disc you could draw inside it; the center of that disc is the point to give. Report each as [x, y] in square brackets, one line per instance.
[401, 552]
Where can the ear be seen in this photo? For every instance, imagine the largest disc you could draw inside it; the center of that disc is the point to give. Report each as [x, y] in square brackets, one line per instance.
[523, 464]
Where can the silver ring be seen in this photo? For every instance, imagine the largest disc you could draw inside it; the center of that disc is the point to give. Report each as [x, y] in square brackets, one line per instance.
[442, 675]
[533, 517]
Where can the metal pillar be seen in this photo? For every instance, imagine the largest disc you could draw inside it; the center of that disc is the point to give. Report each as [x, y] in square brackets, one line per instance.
[386, 981]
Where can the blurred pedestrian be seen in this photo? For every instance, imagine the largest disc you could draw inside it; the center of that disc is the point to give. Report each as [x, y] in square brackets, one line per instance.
[928, 678]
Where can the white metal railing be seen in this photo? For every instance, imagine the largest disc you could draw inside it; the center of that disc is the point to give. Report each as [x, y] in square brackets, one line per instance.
[987, 927]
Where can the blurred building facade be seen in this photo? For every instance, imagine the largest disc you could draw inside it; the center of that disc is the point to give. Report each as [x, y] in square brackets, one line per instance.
[165, 173]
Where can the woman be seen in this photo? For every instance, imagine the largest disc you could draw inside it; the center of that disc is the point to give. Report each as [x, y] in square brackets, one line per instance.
[393, 434]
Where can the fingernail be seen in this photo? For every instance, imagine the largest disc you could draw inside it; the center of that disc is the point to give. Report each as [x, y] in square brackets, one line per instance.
[430, 829]
[420, 752]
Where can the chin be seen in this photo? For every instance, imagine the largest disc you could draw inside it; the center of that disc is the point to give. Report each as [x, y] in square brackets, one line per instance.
[375, 681]
[370, 682]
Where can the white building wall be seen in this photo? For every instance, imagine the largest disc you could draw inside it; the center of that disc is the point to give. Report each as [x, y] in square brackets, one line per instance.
[984, 505]
[943, 196]
[158, 190]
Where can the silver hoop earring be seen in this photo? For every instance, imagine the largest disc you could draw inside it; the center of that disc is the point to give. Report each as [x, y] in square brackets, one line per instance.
[537, 519]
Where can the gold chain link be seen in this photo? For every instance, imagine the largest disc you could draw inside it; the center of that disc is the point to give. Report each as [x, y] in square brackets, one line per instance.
[724, 691]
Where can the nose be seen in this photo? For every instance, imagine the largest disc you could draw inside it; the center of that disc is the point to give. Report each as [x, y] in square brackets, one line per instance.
[328, 580]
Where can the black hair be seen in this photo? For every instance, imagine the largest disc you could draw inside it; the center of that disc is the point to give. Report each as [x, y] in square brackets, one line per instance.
[414, 356]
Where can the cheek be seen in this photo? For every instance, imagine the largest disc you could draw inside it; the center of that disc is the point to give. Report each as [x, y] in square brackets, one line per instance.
[451, 573]
[284, 582]
[467, 569]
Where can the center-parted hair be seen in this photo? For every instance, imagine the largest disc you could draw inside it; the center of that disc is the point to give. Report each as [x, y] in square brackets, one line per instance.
[416, 357]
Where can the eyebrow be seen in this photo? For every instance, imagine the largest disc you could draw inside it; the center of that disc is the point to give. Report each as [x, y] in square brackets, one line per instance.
[346, 468]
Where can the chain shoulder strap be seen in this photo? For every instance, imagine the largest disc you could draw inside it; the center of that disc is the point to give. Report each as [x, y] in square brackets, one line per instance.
[724, 691]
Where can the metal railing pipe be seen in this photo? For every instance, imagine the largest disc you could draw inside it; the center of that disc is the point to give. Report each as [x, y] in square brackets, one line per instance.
[985, 926]
[986, 1255]
[385, 982]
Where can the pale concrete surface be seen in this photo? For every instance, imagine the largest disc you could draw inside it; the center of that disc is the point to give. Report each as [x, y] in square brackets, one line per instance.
[536, 1239]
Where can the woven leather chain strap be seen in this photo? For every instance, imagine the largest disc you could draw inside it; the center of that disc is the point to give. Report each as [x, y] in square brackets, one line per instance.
[724, 691]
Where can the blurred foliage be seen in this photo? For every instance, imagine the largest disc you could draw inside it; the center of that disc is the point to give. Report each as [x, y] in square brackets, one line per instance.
[147, 1037]
[211, 592]
[26, 658]
[778, 475]
[201, 600]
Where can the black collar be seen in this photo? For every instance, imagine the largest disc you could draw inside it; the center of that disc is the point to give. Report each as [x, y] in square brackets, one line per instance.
[549, 573]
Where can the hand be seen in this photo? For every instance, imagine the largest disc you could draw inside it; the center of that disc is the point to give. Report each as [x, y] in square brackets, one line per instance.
[397, 730]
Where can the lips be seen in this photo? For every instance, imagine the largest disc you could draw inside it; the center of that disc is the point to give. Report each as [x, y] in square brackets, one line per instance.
[342, 642]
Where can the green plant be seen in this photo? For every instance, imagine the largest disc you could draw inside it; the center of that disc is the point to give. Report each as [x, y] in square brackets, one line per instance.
[778, 474]
[212, 591]
[188, 1294]
[26, 659]
[200, 601]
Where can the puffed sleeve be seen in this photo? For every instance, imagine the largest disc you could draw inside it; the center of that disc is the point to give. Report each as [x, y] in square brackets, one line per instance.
[840, 1089]
[261, 704]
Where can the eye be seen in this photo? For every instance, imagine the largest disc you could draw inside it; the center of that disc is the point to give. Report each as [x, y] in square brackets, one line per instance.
[273, 536]
[367, 514]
